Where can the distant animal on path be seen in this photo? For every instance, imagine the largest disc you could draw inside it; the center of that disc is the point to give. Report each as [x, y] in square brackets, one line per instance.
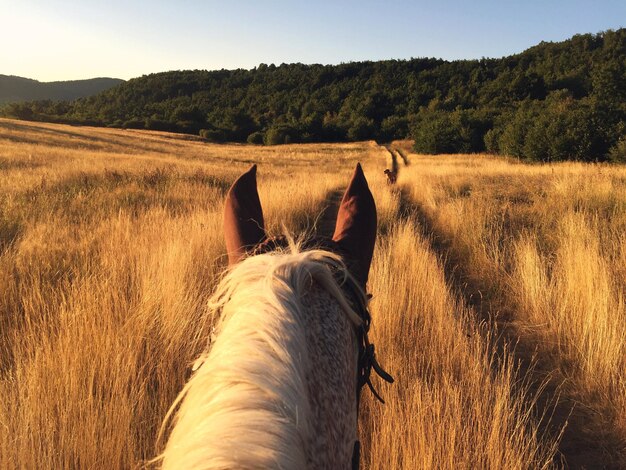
[278, 386]
[392, 176]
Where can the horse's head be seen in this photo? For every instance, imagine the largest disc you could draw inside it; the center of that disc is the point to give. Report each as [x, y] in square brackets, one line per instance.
[279, 385]
[355, 230]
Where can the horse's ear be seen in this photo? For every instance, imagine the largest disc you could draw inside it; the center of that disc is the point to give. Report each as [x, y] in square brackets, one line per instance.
[243, 217]
[355, 231]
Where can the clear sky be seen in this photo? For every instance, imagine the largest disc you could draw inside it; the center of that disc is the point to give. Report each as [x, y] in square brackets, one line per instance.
[72, 39]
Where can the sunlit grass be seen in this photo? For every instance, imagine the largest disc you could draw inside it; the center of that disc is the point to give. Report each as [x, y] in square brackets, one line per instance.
[111, 243]
[543, 246]
[454, 405]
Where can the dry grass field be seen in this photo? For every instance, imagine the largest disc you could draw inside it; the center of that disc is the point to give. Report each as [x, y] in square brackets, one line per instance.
[498, 295]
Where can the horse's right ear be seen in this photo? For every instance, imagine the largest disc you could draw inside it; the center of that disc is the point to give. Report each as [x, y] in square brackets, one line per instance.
[243, 217]
[355, 231]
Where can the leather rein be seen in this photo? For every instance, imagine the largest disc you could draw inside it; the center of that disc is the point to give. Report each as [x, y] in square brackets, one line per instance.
[366, 358]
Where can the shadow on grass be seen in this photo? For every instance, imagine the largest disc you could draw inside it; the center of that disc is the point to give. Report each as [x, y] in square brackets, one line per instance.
[583, 444]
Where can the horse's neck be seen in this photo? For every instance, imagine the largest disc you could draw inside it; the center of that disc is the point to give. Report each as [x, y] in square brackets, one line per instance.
[331, 381]
[277, 389]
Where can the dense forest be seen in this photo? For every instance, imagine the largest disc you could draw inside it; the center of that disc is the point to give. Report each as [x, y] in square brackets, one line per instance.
[554, 101]
[14, 89]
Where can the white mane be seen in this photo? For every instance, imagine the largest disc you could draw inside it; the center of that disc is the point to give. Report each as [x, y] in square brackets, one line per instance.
[247, 405]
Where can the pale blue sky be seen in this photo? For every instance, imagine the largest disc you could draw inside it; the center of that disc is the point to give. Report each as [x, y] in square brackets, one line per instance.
[73, 39]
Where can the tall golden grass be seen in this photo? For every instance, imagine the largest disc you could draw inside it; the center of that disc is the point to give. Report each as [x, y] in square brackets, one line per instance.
[455, 404]
[543, 246]
[111, 243]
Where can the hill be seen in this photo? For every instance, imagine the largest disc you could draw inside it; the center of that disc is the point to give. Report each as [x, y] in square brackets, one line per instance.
[554, 101]
[16, 89]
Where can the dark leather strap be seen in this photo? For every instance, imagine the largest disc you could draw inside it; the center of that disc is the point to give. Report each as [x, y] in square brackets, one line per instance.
[356, 455]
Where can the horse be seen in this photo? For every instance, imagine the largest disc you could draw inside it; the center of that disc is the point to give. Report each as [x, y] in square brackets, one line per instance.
[279, 385]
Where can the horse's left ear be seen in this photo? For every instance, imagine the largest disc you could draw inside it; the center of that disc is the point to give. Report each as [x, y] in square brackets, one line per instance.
[355, 231]
[243, 217]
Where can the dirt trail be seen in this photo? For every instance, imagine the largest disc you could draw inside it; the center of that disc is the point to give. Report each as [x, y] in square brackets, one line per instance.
[403, 155]
[325, 225]
[579, 448]
[394, 160]
[397, 154]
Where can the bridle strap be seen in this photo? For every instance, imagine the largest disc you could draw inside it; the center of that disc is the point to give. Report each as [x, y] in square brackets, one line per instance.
[366, 358]
[356, 455]
[367, 355]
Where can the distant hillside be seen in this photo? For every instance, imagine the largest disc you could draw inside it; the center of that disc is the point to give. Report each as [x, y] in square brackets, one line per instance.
[554, 101]
[16, 89]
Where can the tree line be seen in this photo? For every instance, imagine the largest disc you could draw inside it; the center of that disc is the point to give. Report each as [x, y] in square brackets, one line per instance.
[554, 101]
